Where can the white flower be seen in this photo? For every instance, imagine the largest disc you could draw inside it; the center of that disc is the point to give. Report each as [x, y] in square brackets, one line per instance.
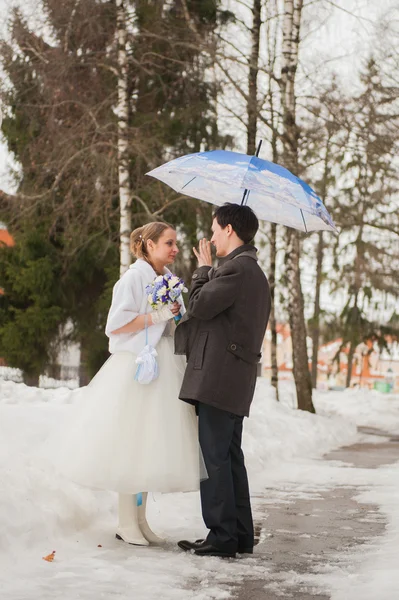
[150, 298]
[173, 281]
[159, 278]
[161, 292]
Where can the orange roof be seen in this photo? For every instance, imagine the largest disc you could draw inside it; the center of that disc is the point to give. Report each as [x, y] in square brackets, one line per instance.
[6, 238]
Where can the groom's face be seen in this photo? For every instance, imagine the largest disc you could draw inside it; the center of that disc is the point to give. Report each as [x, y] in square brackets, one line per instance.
[220, 238]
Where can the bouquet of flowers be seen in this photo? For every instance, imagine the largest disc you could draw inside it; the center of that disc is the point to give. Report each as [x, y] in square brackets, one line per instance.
[164, 290]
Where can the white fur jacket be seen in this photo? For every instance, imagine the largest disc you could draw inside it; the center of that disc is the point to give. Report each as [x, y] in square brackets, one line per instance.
[129, 299]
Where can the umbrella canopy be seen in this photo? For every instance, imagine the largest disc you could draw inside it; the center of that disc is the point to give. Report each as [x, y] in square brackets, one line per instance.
[273, 192]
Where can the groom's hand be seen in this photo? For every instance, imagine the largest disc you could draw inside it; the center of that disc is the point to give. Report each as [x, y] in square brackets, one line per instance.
[203, 254]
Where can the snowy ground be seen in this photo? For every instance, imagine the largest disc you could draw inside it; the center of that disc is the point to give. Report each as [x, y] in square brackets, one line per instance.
[368, 408]
[41, 512]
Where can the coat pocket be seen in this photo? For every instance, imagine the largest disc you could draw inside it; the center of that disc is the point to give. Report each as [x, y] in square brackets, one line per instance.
[200, 350]
[246, 355]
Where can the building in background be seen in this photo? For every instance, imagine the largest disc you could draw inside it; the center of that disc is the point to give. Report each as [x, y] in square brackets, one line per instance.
[6, 239]
[372, 367]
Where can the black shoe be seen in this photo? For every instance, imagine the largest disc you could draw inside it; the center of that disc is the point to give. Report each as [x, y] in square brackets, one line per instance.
[245, 550]
[187, 546]
[209, 550]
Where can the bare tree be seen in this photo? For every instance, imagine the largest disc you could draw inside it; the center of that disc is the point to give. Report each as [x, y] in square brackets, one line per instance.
[289, 63]
[252, 100]
[330, 136]
[271, 39]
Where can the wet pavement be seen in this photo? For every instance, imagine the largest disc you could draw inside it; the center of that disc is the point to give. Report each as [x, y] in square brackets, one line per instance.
[306, 534]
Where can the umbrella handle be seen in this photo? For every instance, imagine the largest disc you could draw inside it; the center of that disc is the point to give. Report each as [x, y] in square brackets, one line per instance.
[244, 196]
[246, 192]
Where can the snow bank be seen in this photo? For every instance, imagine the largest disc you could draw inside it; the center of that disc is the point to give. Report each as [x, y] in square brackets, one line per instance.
[275, 433]
[367, 408]
[16, 375]
[19, 393]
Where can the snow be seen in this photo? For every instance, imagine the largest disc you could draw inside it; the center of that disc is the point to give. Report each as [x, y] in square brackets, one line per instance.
[14, 374]
[367, 408]
[41, 512]
[377, 574]
[366, 572]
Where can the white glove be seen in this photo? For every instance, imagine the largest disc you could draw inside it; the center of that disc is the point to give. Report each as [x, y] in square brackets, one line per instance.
[162, 314]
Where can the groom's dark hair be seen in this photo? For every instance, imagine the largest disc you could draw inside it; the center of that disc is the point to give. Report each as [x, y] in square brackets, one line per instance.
[242, 219]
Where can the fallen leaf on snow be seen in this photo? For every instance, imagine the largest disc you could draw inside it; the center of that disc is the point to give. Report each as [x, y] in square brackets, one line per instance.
[49, 557]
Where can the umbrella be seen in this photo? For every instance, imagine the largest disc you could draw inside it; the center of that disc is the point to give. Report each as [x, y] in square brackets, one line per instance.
[273, 192]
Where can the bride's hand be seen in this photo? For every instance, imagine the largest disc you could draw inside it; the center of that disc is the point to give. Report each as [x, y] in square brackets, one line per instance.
[175, 308]
[203, 254]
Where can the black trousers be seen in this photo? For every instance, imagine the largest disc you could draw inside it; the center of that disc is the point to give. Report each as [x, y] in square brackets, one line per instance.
[226, 506]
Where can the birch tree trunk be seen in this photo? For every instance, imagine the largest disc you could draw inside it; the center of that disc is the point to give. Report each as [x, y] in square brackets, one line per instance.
[273, 323]
[252, 99]
[274, 120]
[291, 37]
[123, 148]
[273, 268]
[252, 103]
[316, 311]
[319, 272]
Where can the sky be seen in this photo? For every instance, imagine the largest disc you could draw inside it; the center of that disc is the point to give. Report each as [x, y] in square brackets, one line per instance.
[339, 34]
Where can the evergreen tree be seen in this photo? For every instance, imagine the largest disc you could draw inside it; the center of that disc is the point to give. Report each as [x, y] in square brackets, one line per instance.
[59, 127]
[367, 256]
[322, 146]
[30, 309]
[62, 129]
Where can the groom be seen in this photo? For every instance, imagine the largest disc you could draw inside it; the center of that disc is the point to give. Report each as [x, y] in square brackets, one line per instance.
[221, 336]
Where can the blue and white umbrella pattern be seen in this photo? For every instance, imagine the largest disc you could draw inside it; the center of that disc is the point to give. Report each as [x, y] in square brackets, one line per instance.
[273, 192]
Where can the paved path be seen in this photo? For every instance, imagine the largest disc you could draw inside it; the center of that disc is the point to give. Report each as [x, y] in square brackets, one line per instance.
[306, 534]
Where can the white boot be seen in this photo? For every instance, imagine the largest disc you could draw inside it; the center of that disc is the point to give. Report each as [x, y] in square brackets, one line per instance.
[144, 527]
[128, 529]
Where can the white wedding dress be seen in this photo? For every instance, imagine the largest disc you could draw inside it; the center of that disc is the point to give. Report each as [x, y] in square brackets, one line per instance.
[123, 435]
[132, 438]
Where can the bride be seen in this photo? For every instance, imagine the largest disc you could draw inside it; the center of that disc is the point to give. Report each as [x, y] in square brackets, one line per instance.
[129, 437]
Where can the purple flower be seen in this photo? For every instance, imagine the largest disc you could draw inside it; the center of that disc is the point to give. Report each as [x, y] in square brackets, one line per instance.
[171, 286]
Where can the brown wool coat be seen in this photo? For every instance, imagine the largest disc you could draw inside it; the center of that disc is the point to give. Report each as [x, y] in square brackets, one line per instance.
[222, 332]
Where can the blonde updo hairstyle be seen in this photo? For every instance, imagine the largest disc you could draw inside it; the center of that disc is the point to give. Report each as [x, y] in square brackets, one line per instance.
[140, 236]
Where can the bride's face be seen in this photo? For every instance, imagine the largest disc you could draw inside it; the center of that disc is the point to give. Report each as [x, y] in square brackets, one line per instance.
[164, 251]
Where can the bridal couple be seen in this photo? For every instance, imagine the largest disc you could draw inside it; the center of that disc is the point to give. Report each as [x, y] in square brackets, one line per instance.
[134, 438]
